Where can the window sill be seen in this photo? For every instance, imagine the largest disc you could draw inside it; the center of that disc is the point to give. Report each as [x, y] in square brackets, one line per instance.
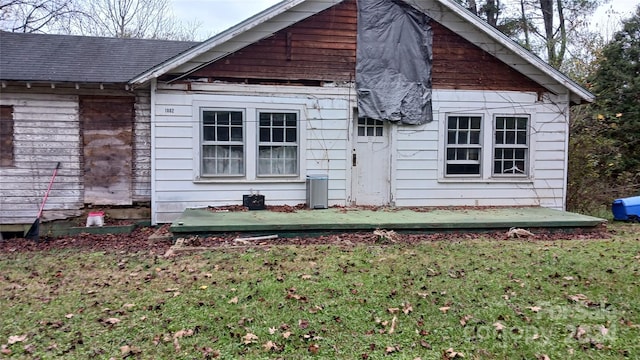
[244, 181]
[487, 181]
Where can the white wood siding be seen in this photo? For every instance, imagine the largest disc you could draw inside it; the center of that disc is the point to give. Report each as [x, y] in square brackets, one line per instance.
[324, 114]
[46, 132]
[419, 178]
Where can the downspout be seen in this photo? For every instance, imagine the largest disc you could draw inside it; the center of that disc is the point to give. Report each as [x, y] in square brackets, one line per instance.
[154, 212]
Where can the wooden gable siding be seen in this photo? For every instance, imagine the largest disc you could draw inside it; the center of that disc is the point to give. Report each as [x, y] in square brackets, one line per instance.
[459, 64]
[319, 48]
[323, 48]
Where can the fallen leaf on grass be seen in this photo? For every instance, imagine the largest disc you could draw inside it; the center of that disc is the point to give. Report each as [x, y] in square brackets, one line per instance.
[603, 330]
[270, 346]
[393, 310]
[286, 334]
[452, 354]
[535, 309]
[234, 300]
[465, 319]
[543, 357]
[444, 309]
[313, 348]
[182, 333]
[272, 330]
[580, 332]
[391, 349]
[5, 350]
[16, 338]
[306, 277]
[407, 308]
[127, 351]
[498, 326]
[29, 348]
[249, 338]
[110, 321]
[69, 316]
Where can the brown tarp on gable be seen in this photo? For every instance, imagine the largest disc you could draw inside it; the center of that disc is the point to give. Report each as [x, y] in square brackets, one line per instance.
[393, 62]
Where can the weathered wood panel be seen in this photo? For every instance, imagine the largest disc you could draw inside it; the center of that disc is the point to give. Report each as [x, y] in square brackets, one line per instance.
[107, 127]
[46, 132]
[459, 64]
[6, 135]
[321, 47]
[141, 170]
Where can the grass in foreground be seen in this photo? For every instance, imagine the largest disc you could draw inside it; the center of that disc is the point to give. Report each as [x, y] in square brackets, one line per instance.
[484, 299]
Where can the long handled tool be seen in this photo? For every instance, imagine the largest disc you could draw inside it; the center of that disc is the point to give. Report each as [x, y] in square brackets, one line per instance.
[34, 231]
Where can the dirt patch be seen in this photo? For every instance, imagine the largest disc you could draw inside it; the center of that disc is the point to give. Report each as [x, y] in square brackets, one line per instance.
[139, 240]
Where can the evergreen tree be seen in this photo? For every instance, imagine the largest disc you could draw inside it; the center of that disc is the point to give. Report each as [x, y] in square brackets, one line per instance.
[617, 86]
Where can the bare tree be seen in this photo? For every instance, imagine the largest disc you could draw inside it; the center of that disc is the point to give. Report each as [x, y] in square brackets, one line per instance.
[151, 19]
[36, 15]
[549, 25]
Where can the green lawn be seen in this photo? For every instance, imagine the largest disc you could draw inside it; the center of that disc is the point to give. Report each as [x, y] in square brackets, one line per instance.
[485, 299]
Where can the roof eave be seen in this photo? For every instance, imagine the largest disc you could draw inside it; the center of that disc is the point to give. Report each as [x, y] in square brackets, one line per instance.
[212, 42]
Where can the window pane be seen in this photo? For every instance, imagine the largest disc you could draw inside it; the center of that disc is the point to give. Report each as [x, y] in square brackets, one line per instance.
[360, 130]
[209, 133]
[510, 137]
[522, 137]
[463, 137]
[475, 137]
[452, 123]
[451, 154]
[277, 119]
[475, 123]
[511, 123]
[223, 118]
[500, 123]
[463, 169]
[451, 137]
[278, 135]
[499, 137]
[265, 134]
[292, 135]
[236, 118]
[379, 131]
[464, 123]
[223, 133]
[291, 120]
[522, 123]
[236, 134]
[208, 117]
[369, 131]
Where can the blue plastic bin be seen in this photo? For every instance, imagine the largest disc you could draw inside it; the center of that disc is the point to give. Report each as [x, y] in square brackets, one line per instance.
[626, 209]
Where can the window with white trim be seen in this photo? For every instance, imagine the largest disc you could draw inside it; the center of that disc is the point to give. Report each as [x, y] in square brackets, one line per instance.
[222, 143]
[250, 143]
[278, 144]
[511, 146]
[463, 146]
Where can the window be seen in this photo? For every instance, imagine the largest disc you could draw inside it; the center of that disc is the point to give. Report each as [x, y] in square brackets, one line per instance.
[511, 146]
[253, 143]
[6, 135]
[463, 147]
[222, 143]
[278, 144]
[370, 127]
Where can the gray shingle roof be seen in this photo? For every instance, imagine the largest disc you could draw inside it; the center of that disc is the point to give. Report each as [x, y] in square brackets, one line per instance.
[65, 58]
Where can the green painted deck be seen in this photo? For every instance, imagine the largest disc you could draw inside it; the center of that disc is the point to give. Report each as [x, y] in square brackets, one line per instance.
[205, 221]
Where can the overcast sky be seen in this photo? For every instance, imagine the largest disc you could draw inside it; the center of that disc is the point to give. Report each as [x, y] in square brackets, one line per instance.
[218, 15]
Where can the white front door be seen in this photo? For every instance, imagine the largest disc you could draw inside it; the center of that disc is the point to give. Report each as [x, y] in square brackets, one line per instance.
[370, 162]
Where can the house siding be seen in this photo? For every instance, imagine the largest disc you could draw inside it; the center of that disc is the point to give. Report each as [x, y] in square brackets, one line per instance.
[47, 131]
[419, 179]
[325, 114]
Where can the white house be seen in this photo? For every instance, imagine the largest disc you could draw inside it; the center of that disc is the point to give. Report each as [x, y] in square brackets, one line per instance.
[275, 98]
